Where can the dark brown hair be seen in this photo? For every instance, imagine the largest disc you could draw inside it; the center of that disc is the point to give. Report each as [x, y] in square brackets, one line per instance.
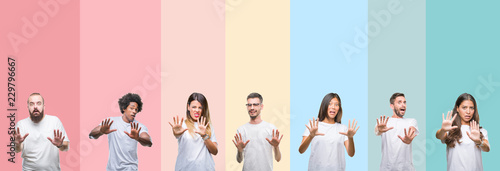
[323, 109]
[455, 134]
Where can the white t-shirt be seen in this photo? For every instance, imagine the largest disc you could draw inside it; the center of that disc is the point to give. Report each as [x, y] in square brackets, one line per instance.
[465, 156]
[193, 154]
[257, 155]
[327, 151]
[122, 148]
[38, 152]
[396, 155]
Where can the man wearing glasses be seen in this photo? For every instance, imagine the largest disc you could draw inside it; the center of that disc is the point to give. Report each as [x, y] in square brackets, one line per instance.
[257, 139]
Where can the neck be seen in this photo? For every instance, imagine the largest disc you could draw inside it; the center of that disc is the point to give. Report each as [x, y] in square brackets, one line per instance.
[465, 123]
[256, 120]
[328, 120]
[394, 115]
[125, 119]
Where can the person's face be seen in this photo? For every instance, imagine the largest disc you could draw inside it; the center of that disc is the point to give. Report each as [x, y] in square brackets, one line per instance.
[195, 109]
[254, 106]
[130, 112]
[399, 106]
[466, 110]
[333, 108]
[36, 107]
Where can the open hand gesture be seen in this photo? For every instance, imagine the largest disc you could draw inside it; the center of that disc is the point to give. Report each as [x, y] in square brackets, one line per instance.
[408, 137]
[238, 142]
[134, 131]
[313, 130]
[18, 139]
[474, 134]
[105, 126]
[58, 138]
[275, 141]
[202, 126]
[177, 126]
[351, 130]
[382, 124]
[448, 121]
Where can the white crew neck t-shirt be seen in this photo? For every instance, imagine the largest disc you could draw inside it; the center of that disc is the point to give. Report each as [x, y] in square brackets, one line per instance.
[193, 154]
[465, 156]
[327, 151]
[38, 152]
[396, 155]
[258, 154]
[122, 148]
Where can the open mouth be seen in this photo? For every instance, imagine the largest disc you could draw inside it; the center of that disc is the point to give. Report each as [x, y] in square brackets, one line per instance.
[196, 115]
[402, 110]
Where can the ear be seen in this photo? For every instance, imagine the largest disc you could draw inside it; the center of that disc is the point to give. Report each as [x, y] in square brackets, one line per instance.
[392, 106]
[261, 106]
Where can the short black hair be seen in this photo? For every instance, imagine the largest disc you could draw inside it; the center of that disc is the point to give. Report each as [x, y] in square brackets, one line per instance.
[127, 98]
[255, 95]
[394, 96]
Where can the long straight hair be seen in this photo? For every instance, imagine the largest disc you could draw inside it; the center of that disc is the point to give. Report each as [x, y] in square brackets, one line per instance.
[205, 113]
[323, 109]
[456, 134]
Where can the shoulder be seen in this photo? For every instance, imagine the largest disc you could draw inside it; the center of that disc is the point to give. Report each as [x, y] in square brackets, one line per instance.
[23, 121]
[268, 125]
[52, 118]
[342, 126]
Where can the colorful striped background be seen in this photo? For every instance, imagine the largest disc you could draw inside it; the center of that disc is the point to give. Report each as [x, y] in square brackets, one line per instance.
[84, 55]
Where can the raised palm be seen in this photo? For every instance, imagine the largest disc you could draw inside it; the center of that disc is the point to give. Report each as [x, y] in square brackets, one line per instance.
[202, 126]
[448, 122]
[177, 126]
[275, 141]
[313, 129]
[408, 136]
[18, 139]
[238, 142]
[382, 124]
[474, 134]
[105, 126]
[351, 129]
[134, 131]
[58, 138]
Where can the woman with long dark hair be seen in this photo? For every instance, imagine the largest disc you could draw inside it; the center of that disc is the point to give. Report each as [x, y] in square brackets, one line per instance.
[195, 136]
[463, 136]
[328, 137]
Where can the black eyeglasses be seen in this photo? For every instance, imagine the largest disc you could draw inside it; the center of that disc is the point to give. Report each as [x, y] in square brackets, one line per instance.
[252, 104]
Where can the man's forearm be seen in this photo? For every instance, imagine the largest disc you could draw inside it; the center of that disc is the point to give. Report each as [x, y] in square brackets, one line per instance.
[145, 141]
[239, 157]
[96, 132]
[277, 153]
[65, 146]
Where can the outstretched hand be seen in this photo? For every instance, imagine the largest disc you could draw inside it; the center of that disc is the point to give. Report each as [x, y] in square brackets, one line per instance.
[382, 124]
[474, 134]
[275, 141]
[105, 126]
[313, 130]
[351, 130]
[18, 139]
[238, 142]
[177, 126]
[448, 121]
[408, 137]
[202, 126]
[134, 131]
[58, 138]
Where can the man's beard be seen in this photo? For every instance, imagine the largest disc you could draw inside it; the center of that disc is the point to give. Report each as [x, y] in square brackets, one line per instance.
[398, 112]
[38, 118]
[253, 117]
